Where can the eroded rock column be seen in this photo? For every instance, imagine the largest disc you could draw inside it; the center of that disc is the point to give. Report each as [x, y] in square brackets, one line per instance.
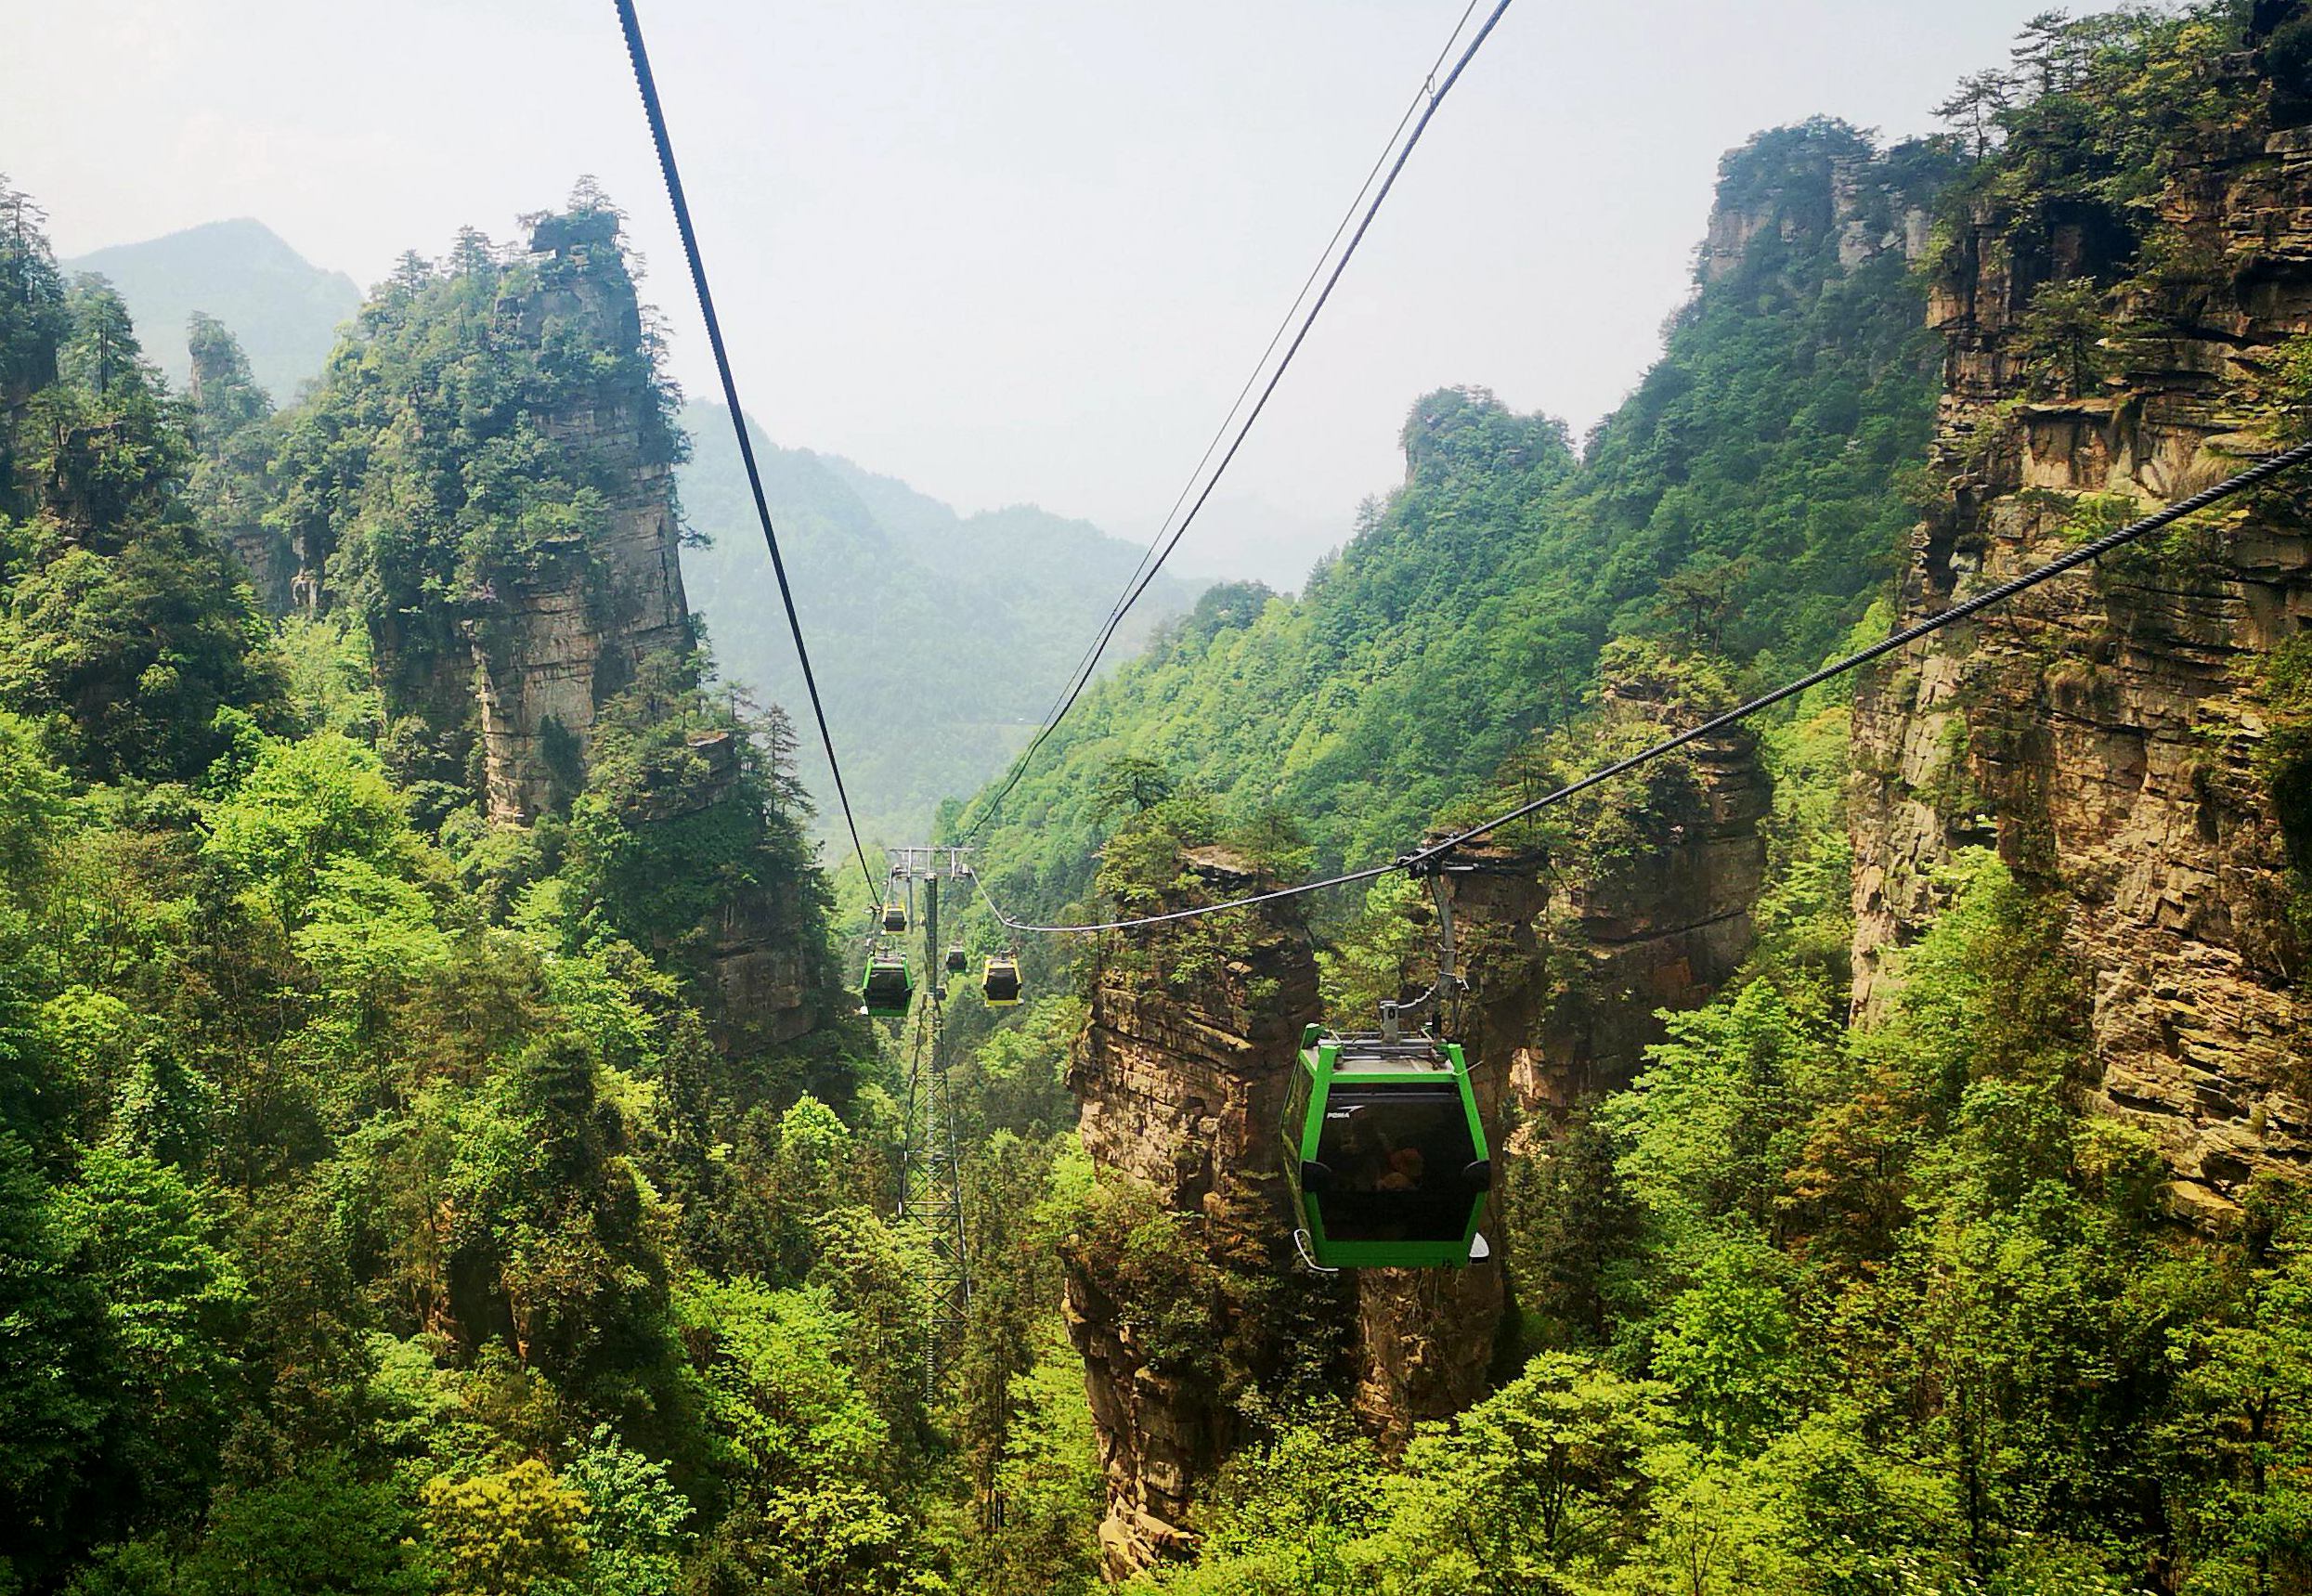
[1181, 1073]
[2102, 733]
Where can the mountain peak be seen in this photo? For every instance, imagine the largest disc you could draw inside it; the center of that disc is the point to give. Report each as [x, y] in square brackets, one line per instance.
[284, 309]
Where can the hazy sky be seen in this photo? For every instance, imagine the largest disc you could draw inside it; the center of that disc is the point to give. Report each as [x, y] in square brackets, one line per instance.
[1010, 249]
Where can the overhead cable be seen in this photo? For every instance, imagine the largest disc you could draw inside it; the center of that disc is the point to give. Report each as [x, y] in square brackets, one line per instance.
[650, 108]
[1147, 573]
[1284, 323]
[1430, 855]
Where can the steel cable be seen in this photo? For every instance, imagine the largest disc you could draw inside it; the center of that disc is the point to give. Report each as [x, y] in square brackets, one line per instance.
[1135, 589]
[1284, 322]
[648, 84]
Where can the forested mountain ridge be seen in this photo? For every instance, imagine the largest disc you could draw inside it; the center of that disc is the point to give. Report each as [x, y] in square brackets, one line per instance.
[2120, 332]
[940, 640]
[991, 606]
[1513, 611]
[409, 1010]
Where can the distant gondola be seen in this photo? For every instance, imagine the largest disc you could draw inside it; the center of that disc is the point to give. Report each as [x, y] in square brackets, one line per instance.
[999, 981]
[894, 916]
[886, 992]
[1384, 1154]
[956, 963]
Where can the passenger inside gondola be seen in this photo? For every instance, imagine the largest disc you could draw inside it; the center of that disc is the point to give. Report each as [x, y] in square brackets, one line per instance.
[1384, 1152]
[1396, 1149]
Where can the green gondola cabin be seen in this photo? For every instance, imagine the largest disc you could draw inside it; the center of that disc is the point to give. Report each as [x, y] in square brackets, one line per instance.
[886, 992]
[955, 962]
[1384, 1152]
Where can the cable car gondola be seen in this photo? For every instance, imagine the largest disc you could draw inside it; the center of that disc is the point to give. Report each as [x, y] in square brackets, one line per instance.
[999, 981]
[955, 960]
[1384, 1154]
[887, 992]
[894, 916]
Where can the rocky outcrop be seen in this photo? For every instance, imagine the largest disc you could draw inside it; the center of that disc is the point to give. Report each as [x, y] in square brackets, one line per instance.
[758, 987]
[1569, 961]
[2102, 732]
[1571, 957]
[1182, 1070]
[1426, 1338]
[1815, 182]
[1181, 1073]
[270, 561]
[228, 418]
[550, 646]
[485, 477]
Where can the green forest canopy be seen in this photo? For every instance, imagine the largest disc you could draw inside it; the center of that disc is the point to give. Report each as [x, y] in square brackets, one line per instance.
[377, 1213]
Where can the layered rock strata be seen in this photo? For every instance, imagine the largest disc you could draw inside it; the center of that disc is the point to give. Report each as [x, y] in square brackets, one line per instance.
[548, 579]
[557, 645]
[757, 986]
[1570, 965]
[1181, 1072]
[2102, 732]
[1571, 957]
[1818, 191]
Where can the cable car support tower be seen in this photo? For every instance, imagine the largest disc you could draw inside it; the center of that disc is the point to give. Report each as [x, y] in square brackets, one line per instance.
[931, 1176]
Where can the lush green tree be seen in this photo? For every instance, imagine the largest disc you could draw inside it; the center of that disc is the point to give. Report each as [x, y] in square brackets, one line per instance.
[127, 658]
[803, 1439]
[681, 815]
[151, 1244]
[635, 1519]
[504, 1533]
[2236, 1438]
[318, 1530]
[33, 320]
[1043, 1496]
[306, 808]
[1539, 1483]
[53, 1369]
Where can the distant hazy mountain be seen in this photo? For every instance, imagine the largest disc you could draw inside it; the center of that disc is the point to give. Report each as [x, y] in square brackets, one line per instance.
[1248, 537]
[284, 309]
[939, 639]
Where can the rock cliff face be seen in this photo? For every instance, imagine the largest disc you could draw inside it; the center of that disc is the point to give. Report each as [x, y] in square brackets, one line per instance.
[2102, 732]
[484, 478]
[505, 654]
[226, 488]
[1571, 957]
[1810, 182]
[757, 986]
[1568, 963]
[1181, 1072]
[558, 644]
[1426, 1338]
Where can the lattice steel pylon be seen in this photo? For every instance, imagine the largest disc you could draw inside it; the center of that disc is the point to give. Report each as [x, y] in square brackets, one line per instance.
[931, 1176]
